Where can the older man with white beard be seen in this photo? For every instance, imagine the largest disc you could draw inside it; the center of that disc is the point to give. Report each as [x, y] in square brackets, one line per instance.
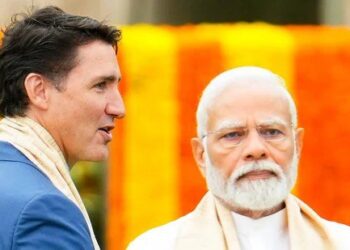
[248, 148]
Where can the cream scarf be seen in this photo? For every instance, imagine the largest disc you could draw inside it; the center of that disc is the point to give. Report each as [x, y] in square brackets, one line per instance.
[211, 226]
[38, 146]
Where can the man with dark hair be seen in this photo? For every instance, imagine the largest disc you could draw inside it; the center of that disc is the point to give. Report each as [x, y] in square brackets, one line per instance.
[58, 98]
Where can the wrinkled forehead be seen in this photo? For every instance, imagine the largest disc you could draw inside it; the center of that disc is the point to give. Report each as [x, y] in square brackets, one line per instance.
[260, 102]
[234, 123]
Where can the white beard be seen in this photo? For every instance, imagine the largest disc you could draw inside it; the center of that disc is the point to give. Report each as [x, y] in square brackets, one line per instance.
[254, 195]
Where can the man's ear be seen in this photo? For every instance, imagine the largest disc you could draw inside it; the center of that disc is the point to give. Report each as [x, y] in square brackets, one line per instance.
[198, 154]
[37, 87]
[299, 139]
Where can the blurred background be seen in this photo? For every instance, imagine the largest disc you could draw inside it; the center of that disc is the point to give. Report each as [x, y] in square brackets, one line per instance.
[169, 51]
[177, 12]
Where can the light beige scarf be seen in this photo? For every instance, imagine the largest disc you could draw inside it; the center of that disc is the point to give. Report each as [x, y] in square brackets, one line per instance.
[37, 145]
[211, 226]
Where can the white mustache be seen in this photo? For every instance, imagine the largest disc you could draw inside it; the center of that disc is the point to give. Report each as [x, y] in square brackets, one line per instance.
[257, 166]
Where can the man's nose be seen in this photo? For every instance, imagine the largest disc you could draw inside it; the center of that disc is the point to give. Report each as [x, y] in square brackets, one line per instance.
[254, 147]
[115, 105]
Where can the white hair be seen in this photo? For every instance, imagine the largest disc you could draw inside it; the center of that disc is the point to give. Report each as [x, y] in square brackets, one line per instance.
[248, 75]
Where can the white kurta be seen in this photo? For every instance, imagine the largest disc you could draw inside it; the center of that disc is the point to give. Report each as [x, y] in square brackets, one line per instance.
[266, 233]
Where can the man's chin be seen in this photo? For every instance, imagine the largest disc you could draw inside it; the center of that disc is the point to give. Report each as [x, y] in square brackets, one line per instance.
[98, 155]
[261, 194]
[262, 199]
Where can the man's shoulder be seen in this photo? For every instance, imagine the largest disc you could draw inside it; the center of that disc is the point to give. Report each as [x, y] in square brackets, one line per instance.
[162, 237]
[332, 227]
[31, 220]
[20, 182]
[32, 207]
[340, 233]
[338, 229]
[45, 216]
[20, 179]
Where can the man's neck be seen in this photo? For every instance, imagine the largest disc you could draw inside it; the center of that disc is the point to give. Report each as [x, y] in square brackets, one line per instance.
[40, 119]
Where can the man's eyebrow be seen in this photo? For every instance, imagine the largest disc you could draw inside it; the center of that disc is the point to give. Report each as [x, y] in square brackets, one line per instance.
[273, 121]
[110, 78]
[227, 124]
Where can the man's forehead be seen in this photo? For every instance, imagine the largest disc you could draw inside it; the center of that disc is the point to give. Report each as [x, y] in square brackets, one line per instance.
[96, 53]
[256, 85]
[243, 123]
[238, 107]
[239, 94]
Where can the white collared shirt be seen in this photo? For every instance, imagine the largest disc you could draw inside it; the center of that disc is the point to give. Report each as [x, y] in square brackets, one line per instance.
[267, 233]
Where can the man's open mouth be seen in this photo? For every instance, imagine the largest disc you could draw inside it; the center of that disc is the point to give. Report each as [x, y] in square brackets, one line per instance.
[106, 129]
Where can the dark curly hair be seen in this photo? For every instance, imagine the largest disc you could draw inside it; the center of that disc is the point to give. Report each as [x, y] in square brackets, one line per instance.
[43, 42]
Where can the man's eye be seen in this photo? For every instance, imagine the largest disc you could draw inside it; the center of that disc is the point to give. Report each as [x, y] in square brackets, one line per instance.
[271, 133]
[234, 135]
[101, 85]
